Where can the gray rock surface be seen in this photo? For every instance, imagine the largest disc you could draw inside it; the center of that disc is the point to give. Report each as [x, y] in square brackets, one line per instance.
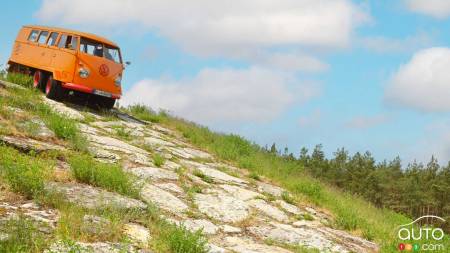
[307, 237]
[239, 192]
[137, 233]
[207, 227]
[96, 247]
[222, 208]
[247, 245]
[153, 173]
[163, 199]
[92, 197]
[64, 110]
[220, 177]
[27, 145]
[269, 210]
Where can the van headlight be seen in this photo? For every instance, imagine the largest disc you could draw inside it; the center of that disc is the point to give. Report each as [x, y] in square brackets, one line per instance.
[84, 73]
[118, 81]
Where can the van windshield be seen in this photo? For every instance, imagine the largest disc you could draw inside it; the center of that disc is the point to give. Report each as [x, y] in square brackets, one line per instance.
[98, 49]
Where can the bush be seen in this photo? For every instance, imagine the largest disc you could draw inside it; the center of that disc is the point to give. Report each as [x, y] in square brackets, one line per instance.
[111, 177]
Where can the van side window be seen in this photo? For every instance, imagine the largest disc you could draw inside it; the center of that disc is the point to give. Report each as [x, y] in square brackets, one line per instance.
[74, 42]
[52, 39]
[91, 47]
[43, 37]
[33, 35]
[68, 41]
[62, 41]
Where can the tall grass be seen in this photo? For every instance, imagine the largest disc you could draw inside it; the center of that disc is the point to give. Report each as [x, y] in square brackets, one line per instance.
[20, 79]
[24, 174]
[145, 113]
[23, 236]
[109, 176]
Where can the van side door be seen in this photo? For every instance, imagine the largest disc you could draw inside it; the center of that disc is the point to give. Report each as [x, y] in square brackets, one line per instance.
[45, 58]
[65, 57]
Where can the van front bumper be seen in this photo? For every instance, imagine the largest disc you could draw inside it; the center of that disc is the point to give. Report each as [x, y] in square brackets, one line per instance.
[84, 89]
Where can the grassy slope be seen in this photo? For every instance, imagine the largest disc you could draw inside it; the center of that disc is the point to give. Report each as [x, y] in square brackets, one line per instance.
[26, 174]
[351, 212]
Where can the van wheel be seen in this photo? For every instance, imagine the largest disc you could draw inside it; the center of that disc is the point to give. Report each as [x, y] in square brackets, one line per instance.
[39, 80]
[53, 89]
[105, 103]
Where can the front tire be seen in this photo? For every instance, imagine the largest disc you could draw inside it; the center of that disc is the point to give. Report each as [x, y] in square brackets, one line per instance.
[106, 103]
[53, 89]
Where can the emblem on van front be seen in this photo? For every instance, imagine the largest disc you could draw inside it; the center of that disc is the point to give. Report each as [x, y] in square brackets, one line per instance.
[103, 70]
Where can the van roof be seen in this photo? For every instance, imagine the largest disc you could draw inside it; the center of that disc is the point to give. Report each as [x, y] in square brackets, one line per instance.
[82, 34]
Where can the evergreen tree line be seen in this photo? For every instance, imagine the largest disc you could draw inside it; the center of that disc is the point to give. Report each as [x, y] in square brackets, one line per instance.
[414, 191]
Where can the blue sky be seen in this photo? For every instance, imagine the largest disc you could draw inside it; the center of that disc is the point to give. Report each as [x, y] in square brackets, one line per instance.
[365, 75]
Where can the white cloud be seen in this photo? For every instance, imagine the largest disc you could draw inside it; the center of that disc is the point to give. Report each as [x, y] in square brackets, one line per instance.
[210, 27]
[435, 8]
[382, 44]
[293, 62]
[424, 82]
[364, 122]
[224, 96]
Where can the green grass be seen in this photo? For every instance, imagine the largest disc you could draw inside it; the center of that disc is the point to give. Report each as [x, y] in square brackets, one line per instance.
[20, 79]
[180, 240]
[30, 100]
[288, 198]
[109, 176]
[24, 174]
[166, 237]
[23, 236]
[351, 212]
[201, 175]
[121, 132]
[144, 113]
[254, 176]
[158, 160]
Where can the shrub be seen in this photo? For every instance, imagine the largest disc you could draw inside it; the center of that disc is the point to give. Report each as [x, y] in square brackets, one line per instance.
[111, 177]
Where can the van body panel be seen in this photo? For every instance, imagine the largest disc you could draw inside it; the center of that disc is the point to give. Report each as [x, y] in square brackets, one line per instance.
[65, 62]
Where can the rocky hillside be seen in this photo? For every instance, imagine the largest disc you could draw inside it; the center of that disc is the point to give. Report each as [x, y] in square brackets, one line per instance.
[112, 183]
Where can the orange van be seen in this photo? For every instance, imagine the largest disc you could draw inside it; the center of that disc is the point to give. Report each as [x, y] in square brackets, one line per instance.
[63, 62]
